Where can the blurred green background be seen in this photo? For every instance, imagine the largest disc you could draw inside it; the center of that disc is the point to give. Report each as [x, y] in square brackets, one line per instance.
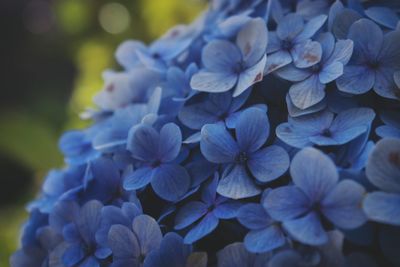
[52, 54]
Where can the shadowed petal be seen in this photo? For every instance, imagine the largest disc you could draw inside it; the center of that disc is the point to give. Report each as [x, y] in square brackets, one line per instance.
[203, 228]
[220, 56]
[123, 243]
[190, 213]
[170, 142]
[356, 80]
[264, 240]
[148, 233]
[253, 216]
[383, 207]
[138, 178]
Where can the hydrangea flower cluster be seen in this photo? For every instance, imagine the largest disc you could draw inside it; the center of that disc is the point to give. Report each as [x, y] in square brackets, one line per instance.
[266, 133]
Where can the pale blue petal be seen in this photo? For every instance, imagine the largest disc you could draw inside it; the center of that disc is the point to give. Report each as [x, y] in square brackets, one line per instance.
[306, 54]
[143, 142]
[311, 27]
[331, 72]
[356, 79]
[250, 76]
[352, 118]
[236, 183]
[254, 217]
[138, 178]
[277, 60]
[293, 74]
[148, 233]
[290, 26]
[213, 82]
[307, 93]
[123, 243]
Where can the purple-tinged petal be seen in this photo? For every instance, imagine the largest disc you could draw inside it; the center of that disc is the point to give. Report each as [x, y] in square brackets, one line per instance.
[73, 255]
[170, 181]
[307, 230]
[227, 209]
[286, 203]
[203, 228]
[217, 145]
[236, 183]
[342, 52]
[143, 142]
[343, 21]
[274, 43]
[366, 46]
[331, 72]
[123, 243]
[269, 163]
[342, 205]
[384, 84]
[297, 112]
[356, 79]
[314, 172]
[89, 220]
[352, 118]
[382, 207]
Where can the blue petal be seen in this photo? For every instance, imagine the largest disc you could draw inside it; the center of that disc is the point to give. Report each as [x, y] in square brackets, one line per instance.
[356, 80]
[63, 213]
[227, 209]
[170, 181]
[73, 255]
[383, 207]
[342, 205]
[110, 215]
[148, 233]
[213, 82]
[209, 193]
[269, 163]
[236, 183]
[90, 262]
[250, 76]
[311, 28]
[342, 52]
[314, 172]
[252, 40]
[217, 145]
[126, 53]
[331, 72]
[366, 46]
[89, 220]
[235, 255]
[189, 213]
[252, 129]
[342, 22]
[264, 240]
[286, 203]
[383, 165]
[297, 112]
[307, 230]
[220, 56]
[384, 83]
[254, 217]
[138, 178]
[383, 16]
[352, 118]
[277, 60]
[123, 243]
[170, 142]
[289, 27]
[307, 93]
[306, 54]
[143, 142]
[203, 228]
[197, 115]
[293, 74]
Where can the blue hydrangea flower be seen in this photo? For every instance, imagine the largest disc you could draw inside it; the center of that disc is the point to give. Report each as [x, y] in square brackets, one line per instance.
[237, 66]
[205, 213]
[78, 226]
[310, 83]
[383, 171]
[391, 119]
[77, 146]
[291, 43]
[174, 253]
[243, 157]
[316, 193]
[265, 234]
[157, 151]
[235, 255]
[326, 129]
[375, 59]
[132, 245]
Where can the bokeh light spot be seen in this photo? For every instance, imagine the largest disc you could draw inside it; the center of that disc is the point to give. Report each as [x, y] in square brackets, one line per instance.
[114, 18]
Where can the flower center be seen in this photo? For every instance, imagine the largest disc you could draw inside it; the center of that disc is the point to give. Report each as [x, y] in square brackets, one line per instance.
[287, 45]
[238, 68]
[317, 68]
[241, 158]
[373, 64]
[327, 133]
